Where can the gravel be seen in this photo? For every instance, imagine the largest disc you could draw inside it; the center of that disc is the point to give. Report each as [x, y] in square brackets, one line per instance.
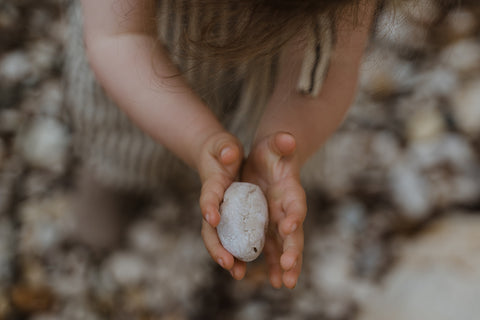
[393, 197]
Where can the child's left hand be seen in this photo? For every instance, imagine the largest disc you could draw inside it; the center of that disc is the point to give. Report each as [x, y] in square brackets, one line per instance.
[273, 165]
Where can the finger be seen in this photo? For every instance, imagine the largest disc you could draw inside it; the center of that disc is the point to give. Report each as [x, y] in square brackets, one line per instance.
[295, 213]
[215, 248]
[238, 270]
[292, 250]
[230, 154]
[211, 196]
[290, 278]
[272, 256]
[283, 144]
[228, 151]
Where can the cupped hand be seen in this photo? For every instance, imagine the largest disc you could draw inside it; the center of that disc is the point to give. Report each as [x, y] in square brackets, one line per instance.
[218, 166]
[273, 165]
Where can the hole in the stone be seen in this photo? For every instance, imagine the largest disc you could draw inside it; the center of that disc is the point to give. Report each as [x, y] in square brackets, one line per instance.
[255, 249]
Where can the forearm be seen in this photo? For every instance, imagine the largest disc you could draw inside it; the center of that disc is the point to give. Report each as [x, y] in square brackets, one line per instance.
[161, 105]
[135, 71]
[312, 120]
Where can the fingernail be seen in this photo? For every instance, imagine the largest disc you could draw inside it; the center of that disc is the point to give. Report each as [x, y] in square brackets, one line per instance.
[224, 150]
[220, 262]
[231, 273]
[208, 217]
[293, 228]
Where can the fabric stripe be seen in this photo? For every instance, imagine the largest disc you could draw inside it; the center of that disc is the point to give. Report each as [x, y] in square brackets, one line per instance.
[317, 58]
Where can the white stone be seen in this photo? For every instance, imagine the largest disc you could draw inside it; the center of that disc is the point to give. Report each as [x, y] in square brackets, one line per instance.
[395, 28]
[145, 237]
[463, 56]
[127, 268]
[436, 277]
[45, 144]
[439, 81]
[244, 218]
[466, 108]
[425, 123]
[15, 67]
[410, 191]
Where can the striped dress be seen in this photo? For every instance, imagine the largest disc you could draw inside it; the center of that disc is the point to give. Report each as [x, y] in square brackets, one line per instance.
[121, 155]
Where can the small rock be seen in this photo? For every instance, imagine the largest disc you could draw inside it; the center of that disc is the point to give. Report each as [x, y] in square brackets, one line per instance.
[127, 268]
[435, 82]
[466, 108]
[253, 310]
[427, 122]
[396, 30]
[45, 144]
[144, 236]
[410, 191]
[243, 220]
[15, 67]
[462, 56]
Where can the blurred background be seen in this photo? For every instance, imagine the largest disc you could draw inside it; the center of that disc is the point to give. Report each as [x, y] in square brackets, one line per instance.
[393, 228]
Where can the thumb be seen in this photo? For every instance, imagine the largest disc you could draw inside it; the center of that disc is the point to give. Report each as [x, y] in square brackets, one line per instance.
[282, 144]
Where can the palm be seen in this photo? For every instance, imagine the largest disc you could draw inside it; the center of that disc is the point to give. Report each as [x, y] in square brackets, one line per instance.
[273, 167]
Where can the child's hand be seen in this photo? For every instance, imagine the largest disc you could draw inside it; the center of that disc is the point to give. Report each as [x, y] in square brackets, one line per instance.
[218, 166]
[272, 164]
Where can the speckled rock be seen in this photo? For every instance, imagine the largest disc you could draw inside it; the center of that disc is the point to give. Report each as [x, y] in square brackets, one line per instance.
[244, 218]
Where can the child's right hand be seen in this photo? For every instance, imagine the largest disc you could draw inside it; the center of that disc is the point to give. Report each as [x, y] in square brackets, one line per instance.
[218, 166]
